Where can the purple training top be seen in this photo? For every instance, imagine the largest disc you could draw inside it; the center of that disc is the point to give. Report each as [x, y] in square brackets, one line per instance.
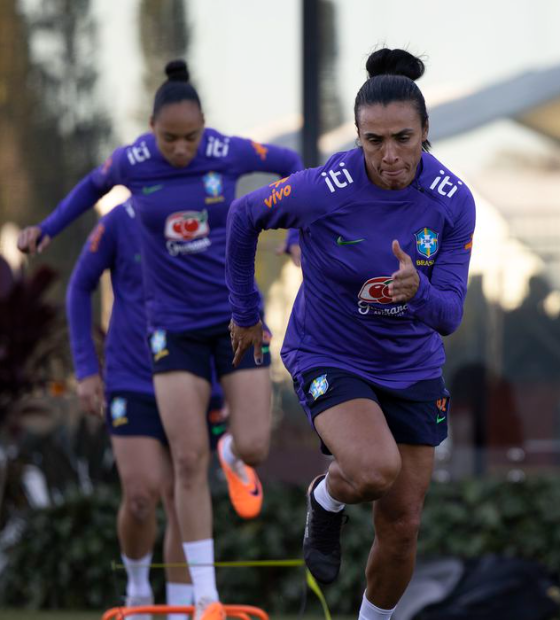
[343, 316]
[182, 212]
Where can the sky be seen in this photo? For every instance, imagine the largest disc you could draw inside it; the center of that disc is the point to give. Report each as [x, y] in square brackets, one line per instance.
[245, 54]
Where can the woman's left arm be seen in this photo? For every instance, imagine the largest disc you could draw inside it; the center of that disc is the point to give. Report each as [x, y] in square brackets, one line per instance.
[439, 300]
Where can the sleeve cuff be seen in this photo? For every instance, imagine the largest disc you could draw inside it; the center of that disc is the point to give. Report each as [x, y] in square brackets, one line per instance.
[246, 320]
[87, 371]
[422, 294]
[45, 230]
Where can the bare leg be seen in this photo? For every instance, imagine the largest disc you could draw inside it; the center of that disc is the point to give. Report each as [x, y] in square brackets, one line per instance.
[367, 459]
[397, 521]
[179, 588]
[139, 463]
[182, 401]
[172, 543]
[248, 394]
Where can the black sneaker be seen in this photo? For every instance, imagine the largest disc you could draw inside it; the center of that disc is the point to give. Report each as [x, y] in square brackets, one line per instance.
[321, 541]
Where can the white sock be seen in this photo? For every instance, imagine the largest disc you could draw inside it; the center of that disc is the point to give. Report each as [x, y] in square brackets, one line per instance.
[201, 552]
[231, 459]
[368, 611]
[138, 574]
[325, 499]
[179, 594]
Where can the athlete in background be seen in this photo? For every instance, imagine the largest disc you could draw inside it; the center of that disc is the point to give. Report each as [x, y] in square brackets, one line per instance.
[182, 177]
[126, 394]
[385, 234]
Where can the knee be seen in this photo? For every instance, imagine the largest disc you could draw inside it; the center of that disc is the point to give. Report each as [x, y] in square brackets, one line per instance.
[252, 451]
[191, 464]
[372, 483]
[140, 501]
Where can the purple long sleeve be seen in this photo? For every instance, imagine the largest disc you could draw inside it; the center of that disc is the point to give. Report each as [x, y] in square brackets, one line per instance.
[78, 201]
[439, 309]
[247, 217]
[241, 249]
[113, 245]
[439, 301]
[94, 259]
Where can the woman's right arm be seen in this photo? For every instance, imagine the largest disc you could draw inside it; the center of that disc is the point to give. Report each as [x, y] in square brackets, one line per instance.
[83, 197]
[97, 255]
[289, 203]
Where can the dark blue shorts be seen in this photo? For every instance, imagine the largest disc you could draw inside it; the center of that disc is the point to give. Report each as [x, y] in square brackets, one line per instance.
[415, 415]
[196, 351]
[132, 414]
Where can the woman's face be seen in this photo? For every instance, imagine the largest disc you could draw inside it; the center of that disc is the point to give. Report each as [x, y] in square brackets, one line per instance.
[391, 137]
[178, 128]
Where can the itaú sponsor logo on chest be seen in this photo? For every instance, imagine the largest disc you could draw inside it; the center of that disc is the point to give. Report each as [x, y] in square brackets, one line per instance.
[187, 232]
[375, 293]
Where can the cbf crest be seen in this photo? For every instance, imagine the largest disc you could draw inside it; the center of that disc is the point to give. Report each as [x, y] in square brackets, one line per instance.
[158, 341]
[319, 386]
[214, 187]
[158, 344]
[118, 411]
[427, 242]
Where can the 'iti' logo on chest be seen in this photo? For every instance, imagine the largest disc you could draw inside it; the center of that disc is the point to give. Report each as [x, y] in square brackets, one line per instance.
[441, 188]
[334, 177]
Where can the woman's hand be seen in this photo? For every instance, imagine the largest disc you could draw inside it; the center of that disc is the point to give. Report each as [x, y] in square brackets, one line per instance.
[92, 397]
[243, 338]
[406, 280]
[28, 238]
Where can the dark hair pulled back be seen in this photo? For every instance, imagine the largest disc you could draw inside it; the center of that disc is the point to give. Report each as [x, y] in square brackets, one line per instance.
[176, 88]
[392, 75]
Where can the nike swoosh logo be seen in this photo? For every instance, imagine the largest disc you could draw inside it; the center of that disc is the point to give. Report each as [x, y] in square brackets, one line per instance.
[438, 419]
[256, 490]
[150, 189]
[339, 241]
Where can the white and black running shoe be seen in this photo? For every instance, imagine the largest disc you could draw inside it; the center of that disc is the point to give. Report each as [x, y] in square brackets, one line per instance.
[321, 541]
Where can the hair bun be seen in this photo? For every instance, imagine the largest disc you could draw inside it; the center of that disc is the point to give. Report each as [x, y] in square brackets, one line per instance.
[177, 71]
[394, 62]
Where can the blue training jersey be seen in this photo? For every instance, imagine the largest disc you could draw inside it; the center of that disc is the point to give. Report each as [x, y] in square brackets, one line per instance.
[343, 316]
[114, 244]
[182, 212]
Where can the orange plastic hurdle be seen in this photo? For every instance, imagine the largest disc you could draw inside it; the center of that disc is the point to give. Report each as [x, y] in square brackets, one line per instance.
[242, 612]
